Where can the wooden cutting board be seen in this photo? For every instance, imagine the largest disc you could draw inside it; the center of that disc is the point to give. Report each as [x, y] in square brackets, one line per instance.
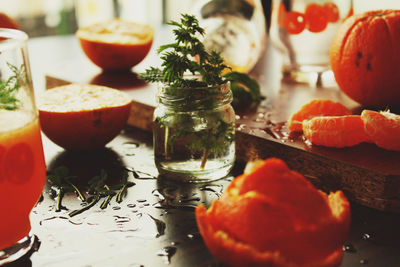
[367, 174]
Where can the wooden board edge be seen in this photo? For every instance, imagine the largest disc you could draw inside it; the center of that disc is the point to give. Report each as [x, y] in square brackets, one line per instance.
[360, 185]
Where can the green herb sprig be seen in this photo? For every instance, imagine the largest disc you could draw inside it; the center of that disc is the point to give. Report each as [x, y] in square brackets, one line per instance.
[97, 189]
[61, 183]
[187, 54]
[9, 87]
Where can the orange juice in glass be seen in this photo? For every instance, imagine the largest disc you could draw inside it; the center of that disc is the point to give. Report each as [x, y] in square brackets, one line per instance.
[22, 165]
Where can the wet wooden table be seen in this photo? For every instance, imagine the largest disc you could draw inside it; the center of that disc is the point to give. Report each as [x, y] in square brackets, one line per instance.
[154, 225]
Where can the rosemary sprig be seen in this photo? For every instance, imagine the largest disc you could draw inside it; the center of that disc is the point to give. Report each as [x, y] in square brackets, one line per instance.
[97, 188]
[93, 202]
[9, 87]
[61, 183]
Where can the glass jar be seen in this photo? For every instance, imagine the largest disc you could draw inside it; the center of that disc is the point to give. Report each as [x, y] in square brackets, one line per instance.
[194, 133]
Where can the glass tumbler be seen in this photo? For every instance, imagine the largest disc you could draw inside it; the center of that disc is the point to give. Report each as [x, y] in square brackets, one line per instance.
[303, 30]
[22, 164]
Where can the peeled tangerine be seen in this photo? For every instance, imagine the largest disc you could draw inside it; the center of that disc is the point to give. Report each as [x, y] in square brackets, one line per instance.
[383, 128]
[314, 108]
[273, 216]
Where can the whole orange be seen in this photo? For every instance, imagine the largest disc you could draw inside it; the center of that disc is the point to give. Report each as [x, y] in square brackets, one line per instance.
[83, 117]
[365, 58]
[116, 44]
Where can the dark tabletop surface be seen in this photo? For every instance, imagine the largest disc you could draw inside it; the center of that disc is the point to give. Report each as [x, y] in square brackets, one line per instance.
[154, 225]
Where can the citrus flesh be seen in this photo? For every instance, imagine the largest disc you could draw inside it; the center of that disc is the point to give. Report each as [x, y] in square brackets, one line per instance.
[383, 128]
[335, 131]
[314, 108]
[82, 117]
[116, 44]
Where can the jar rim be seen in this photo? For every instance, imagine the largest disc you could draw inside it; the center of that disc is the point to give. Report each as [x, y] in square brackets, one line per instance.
[195, 97]
[12, 38]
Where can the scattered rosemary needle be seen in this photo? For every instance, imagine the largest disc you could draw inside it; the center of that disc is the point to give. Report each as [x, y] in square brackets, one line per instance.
[97, 188]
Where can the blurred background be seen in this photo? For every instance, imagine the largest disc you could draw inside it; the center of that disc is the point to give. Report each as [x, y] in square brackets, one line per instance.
[58, 17]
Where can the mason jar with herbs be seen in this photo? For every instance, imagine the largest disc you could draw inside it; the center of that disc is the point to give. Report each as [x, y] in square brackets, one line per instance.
[194, 122]
[194, 132]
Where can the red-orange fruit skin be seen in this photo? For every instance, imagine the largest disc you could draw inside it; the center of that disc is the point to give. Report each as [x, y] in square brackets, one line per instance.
[253, 225]
[115, 56]
[84, 130]
[365, 58]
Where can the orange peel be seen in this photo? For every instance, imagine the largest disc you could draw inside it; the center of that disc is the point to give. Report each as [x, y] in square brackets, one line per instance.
[258, 222]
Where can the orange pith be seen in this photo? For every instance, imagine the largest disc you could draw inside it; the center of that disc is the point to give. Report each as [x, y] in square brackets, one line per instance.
[116, 44]
[258, 222]
[335, 131]
[383, 128]
[314, 108]
[82, 117]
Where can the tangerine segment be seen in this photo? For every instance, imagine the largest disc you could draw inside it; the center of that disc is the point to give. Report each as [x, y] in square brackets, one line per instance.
[314, 108]
[252, 226]
[335, 131]
[383, 128]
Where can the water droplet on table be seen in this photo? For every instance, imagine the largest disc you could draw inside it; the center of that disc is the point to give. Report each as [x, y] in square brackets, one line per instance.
[349, 248]
[160, 225]
[167, 252]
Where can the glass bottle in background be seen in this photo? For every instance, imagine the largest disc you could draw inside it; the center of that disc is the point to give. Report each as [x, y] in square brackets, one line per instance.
[22, 165]
[236, 28]
[194, 133]
[92, 11]
[303, 30]
[361, 6]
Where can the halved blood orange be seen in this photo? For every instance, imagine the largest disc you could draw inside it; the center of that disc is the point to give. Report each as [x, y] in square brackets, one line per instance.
[116, 44]
[314, 108]
[383, 128]
[82, 117]
[335, 131]
[260, 220]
